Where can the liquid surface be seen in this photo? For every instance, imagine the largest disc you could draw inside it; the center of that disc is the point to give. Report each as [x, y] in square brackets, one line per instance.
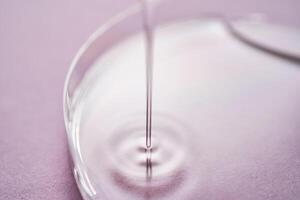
[225, 120]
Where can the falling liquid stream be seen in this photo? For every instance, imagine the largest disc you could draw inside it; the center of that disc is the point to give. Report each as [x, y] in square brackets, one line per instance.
[149, 71]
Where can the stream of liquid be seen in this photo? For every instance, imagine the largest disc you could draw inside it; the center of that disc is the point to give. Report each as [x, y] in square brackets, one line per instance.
[149, 70]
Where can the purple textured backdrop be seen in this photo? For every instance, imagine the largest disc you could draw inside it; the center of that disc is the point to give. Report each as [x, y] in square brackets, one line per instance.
[38, 40]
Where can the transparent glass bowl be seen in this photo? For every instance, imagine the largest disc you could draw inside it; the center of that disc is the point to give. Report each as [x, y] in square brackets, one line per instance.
[225, 91]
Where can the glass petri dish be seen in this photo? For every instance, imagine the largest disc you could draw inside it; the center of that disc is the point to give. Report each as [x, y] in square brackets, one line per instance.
[225, 99]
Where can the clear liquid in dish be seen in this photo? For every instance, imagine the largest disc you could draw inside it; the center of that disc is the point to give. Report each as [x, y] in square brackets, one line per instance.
[215, 133]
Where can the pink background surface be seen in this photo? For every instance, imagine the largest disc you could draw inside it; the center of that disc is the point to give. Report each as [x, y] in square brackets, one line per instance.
[38, 40]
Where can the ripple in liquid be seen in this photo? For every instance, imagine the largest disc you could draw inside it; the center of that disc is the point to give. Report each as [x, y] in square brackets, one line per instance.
[158, 171]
